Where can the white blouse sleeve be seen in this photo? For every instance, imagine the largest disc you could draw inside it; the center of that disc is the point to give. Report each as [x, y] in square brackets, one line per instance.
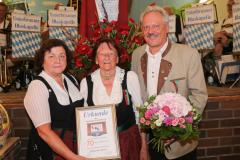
[84, 90]
[36, 103]
[134, 89]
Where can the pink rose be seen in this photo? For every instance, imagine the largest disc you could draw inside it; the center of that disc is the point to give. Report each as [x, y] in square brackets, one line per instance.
[168, 121]
[167, 110]
[148, 123]
[142, 120]
[189, 119]
[148, 114]
[175, 122]
[181, 120]
[182, 126]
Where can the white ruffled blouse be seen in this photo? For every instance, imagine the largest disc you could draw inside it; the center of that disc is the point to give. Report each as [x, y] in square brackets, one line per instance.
[100, 96]
[36, 98]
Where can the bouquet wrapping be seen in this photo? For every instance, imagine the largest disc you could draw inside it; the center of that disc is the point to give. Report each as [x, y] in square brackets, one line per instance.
[171, 117]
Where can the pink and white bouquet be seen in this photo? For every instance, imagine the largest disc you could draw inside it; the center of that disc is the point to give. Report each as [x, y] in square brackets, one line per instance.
[171, 117]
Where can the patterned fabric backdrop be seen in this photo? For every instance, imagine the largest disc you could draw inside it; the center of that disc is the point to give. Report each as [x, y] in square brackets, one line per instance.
[236, 37]
[25, 44]
[172, 37]
[200, 36]
[67, 34]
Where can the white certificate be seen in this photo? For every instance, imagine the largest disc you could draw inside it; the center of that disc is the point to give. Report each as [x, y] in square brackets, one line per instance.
[97, 136]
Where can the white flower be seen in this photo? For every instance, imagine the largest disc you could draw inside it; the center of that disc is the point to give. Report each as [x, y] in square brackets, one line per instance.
[146, 104]
[158, 122]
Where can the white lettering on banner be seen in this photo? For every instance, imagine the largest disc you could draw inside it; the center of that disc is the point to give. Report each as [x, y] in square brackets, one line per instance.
[236, 13]
[62, 18]
[200, 14]
[26, 22]
[172, 24]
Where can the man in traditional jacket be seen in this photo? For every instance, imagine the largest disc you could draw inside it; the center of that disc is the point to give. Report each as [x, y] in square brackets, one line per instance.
[164, 66]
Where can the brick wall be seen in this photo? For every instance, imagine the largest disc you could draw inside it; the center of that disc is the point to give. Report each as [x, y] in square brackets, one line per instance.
[220, 131]
[219, 138]
[20, 123]
[12, 150]
[20, 127]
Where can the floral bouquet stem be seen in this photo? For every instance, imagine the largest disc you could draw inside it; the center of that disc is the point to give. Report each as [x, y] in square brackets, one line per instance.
[158, 144]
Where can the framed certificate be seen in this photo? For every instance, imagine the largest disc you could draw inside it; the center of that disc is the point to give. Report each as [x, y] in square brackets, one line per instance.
[97, 137]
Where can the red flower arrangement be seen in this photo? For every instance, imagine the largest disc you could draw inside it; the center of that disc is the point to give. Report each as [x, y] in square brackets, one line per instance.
[127, 37]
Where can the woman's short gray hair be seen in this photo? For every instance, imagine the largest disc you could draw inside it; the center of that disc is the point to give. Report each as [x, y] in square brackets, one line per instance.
[154, 8]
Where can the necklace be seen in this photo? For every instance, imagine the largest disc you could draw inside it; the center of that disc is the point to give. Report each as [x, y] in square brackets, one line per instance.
[107, 75]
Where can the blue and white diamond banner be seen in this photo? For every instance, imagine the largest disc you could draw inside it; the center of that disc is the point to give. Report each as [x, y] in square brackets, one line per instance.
[25, 44]
[200, 36]
[67, 34]
[236, 37]
[172, 37]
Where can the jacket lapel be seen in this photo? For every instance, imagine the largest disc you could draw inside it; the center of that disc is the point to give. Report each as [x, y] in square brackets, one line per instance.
[165, 68]
[144, 60]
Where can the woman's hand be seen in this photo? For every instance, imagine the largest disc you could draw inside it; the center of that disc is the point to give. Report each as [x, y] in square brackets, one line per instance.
[144, 149]
[144, 153]
[78, 157]
[55, 142]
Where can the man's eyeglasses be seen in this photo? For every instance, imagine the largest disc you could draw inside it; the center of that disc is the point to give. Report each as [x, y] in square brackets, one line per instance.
[152, 27]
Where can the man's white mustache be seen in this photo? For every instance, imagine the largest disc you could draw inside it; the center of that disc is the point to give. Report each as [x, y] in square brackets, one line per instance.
[152, 35]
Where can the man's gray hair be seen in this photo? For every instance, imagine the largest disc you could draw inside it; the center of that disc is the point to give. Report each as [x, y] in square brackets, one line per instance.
[155, 8]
